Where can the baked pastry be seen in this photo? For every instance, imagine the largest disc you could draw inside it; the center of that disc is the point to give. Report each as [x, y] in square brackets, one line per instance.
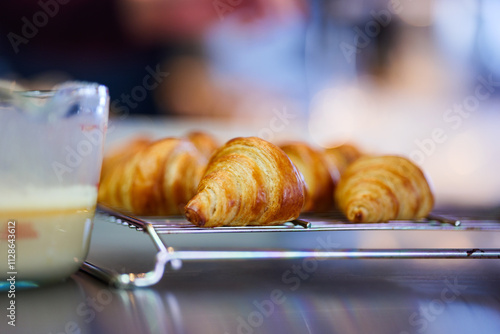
[122, 152]
[248, 181]
[204, 142]
[158, 179]
[378, 189]
[320, 176]
[342, 156]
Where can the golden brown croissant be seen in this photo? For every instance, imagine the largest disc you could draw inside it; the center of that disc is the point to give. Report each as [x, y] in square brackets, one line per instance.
[378, 189]
[320, 176]
[204, 142]
[158, 179]
[122, 152]
[342, 156]
[248, 181]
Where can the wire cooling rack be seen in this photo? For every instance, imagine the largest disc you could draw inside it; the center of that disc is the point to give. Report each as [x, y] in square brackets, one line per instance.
[332, 221]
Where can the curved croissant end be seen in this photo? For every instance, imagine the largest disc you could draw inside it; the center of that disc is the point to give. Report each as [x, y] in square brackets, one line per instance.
[248, 181]
[158, 179]
[378, 189]
[320, 176]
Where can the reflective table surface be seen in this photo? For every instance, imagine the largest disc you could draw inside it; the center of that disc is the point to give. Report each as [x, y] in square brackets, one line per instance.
[273, 296]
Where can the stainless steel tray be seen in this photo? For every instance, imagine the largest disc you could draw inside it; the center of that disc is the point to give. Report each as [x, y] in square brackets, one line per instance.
[328, 222]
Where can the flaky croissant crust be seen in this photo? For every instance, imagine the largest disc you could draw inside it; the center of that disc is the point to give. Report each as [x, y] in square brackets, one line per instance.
[158, 179]
[319, 175]
[248, 181]
[378, 189]
[204, 142]
[342, 156]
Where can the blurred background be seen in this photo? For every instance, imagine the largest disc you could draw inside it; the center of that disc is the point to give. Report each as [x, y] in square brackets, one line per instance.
[418, 78]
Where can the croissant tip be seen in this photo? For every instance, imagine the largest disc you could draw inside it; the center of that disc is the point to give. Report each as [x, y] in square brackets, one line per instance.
[358, 216]
[194, 217]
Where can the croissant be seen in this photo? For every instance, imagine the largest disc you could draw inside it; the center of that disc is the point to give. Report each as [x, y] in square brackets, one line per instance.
[378, 189]
[320, 176]
[158, 179]
[204, 142]
[248, 181]
[342, 156]
[122, 152]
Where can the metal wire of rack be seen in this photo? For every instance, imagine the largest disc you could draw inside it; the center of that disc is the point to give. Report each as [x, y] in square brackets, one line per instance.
[156, 226]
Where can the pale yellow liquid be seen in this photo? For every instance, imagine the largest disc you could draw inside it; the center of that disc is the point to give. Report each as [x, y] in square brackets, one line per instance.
[53, 228]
